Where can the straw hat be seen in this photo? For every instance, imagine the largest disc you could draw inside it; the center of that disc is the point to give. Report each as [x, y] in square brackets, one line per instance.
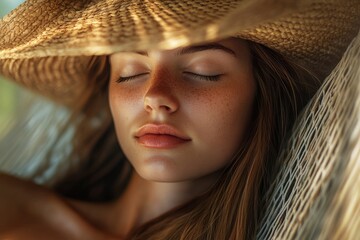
[46, 45]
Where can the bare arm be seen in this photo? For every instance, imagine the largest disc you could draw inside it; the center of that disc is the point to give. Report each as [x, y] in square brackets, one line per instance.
[28, 211]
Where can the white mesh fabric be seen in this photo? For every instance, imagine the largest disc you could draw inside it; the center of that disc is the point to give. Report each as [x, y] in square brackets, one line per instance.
[316, 194]
[32, 146]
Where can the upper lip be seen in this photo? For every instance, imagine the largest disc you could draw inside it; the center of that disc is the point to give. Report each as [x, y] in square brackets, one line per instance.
[160, 129]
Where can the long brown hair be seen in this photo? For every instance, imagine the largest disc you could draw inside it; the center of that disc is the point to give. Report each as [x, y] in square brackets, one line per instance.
[232, 207]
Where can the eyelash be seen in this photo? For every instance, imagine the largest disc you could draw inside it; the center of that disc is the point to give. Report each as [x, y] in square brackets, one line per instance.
[203, 77]
[193, 75]
[124, 79]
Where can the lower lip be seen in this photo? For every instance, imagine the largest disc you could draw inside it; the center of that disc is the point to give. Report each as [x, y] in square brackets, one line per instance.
[160, 141]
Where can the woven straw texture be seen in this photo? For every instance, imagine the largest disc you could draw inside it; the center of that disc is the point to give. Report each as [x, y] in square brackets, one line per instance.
[317, 192]
[313, 33]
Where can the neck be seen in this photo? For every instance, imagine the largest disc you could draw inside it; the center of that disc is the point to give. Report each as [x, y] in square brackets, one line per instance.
[145, 200]
[141, 202]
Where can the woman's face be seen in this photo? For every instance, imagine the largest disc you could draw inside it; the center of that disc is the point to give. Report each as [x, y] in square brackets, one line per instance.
[182, 114]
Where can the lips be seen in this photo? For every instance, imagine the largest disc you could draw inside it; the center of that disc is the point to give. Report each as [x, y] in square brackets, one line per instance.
[160, 136]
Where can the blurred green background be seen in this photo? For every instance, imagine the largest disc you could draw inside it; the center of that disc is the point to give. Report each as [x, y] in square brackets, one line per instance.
[8, 91]
[8, 5]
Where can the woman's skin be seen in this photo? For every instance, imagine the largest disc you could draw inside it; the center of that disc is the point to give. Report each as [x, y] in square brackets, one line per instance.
[31, 212]
[180, 115]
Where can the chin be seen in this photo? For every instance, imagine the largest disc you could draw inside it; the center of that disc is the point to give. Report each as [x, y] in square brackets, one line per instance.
[170, 170]
[160, 173]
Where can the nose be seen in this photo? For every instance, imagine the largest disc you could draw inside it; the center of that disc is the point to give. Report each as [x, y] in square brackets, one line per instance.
[159, 96]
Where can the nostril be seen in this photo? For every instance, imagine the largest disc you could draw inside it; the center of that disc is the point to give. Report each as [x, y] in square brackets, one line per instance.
[148, 108]
[167, 108]
[165, 105]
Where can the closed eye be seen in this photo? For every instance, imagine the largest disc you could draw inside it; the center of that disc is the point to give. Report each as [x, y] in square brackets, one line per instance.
[129, 78]
[197, 76]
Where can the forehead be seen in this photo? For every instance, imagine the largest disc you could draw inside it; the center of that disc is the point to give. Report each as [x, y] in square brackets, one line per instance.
[233, 46]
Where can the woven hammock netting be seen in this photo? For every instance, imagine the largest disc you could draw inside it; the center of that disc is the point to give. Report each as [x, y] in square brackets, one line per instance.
[317, 193]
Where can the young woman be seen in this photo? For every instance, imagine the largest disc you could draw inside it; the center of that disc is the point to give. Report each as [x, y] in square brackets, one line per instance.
[179, 144]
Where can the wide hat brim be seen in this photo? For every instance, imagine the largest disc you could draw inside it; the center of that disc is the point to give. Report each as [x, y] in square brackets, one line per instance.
[46, 45]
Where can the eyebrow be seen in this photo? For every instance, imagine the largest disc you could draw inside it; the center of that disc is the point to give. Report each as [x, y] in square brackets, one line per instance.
[198, 48]
[211, 46]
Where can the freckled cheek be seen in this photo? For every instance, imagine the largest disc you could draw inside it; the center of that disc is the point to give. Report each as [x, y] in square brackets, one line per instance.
[124, 104]
[222, 117]
[206, 108]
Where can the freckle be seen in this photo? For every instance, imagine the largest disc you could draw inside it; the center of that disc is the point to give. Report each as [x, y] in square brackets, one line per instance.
[228, 106]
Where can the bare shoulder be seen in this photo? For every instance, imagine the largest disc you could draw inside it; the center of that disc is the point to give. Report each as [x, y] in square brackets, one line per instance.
[29, 211]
